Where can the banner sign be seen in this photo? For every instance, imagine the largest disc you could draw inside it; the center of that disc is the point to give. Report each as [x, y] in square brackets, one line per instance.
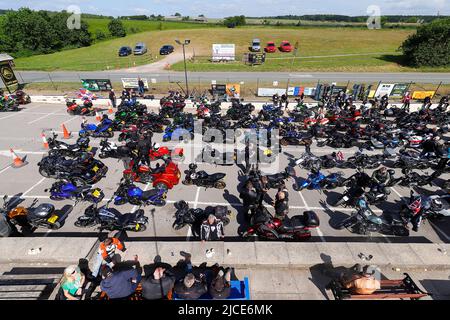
[384, 88]
[399, 89]
[233, 90]
[7, 74]
[132, 83]
[221, 52]
[96, 84]
[309, 91]
[219, 89]
[420, 95]
[292, 91]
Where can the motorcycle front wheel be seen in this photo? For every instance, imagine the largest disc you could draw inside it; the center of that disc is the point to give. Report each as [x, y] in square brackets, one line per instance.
[44, 173]
[84, 223]
[220, 185]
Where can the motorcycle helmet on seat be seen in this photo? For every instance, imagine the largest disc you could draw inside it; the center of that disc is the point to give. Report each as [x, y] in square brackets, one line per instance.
[192, 166]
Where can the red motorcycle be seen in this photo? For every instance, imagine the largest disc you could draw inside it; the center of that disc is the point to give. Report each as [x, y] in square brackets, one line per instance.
[203, 112]
[265, 226]
[157, 153]
[163, 177]
[74, 109]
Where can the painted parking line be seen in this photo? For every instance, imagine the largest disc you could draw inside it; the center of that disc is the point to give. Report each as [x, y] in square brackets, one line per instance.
[43, 117]
[18, 113]
[319, 232]
[5, 169]
[34, 186]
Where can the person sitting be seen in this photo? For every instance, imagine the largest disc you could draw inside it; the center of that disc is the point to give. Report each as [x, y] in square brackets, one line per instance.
[212, 229]
[363, 282]
[119, 284]
[281, 205]
[381, 178]
[106, 251]
[72, 283]
[191, 288]
[106, 121]
[158, 285]
[220, 286]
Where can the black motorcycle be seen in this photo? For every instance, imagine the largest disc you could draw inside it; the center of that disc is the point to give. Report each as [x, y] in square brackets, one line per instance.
[109, 219]
[194, 217]
[111, 150]
[203, 179]
[60, 148]
[274, 181]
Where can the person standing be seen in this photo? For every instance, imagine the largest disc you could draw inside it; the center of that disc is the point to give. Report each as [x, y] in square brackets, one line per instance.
[249, 198]
[284, 100]
[281, 205]
[112, 98]
[406, 101]
[106, 251]
[141, 86]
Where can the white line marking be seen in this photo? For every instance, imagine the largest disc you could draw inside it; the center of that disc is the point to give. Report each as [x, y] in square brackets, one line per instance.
[43, 117]
[319, 232]
[70, 120]
[5, 169]
[397, 193]
[34, 186]
[195, 204]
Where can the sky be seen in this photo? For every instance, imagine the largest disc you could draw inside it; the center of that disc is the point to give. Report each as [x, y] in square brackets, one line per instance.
[252, 8]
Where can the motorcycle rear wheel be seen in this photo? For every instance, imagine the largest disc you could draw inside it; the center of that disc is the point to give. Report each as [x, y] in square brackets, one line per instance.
[44, 173]
[84, 223]
[187, 182]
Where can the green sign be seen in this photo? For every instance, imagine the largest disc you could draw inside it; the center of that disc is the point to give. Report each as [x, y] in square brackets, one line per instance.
[7, 74]
[96, 84]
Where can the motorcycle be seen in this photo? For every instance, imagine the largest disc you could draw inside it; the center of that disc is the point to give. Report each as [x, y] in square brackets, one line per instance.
[65, 190]
[74, 109]
[274, 181]
[60, 148]
[8, 104]
[364, 221]
[6, 227]
[109, 149]
[318, 181]
[21, 97]
[265, 226]
[296, 138]
[80, 174]
[162, 177]
[44, 215]
[203, 179]
[213, 156]
[103, 130]
[130, 193]
[111, 220]
[194, 217]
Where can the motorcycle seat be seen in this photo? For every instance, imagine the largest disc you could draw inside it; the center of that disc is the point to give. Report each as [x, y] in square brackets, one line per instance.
[296, 222]
[215, 176]
[125, 218]
[150, 193]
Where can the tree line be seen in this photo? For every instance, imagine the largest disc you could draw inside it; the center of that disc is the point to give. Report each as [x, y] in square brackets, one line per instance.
[344, 18]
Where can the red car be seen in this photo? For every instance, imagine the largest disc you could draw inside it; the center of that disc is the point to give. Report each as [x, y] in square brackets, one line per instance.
[270, 47]
[286, 46]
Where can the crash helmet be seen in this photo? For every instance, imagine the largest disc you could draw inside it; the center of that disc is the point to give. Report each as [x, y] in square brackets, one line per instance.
[315, 168]
[192, 166]
[362, 203]
[436, 203]
[105, 116]
[156, 146]
[415, 205]
[85, 157]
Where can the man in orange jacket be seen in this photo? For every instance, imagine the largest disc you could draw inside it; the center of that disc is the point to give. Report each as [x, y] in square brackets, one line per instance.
[106, 251]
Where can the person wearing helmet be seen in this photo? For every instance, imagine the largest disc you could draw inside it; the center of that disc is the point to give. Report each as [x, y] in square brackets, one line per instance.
[104, 122]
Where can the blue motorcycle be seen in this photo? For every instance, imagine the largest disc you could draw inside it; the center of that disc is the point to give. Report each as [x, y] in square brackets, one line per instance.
[103, 130]
[130, 193]
[64, 190]
[318, 181]
[177, 133]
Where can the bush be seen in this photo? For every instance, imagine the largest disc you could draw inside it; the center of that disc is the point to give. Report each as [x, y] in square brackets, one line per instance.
[116, 28]
[100, 35]
[429, 46]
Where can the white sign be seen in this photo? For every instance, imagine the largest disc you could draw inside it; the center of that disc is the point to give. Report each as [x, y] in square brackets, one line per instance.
[309, 91]
[213, 82]
[132, 83]
[268, 92]
[223, 52]
[384, 88]
[153, 80]
[275, 83]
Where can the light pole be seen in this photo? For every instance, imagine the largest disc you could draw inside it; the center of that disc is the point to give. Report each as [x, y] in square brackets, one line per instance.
[185, 43]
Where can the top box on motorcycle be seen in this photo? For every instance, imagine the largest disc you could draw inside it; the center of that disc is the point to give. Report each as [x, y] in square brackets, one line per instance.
[311, 219]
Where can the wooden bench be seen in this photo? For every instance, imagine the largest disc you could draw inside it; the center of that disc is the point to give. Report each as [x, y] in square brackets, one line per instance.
[390, 289]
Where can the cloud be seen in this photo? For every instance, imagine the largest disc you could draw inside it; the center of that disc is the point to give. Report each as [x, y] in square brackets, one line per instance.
[142, 11]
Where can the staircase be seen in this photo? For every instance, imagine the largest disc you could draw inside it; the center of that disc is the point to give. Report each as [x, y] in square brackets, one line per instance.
[29, 283]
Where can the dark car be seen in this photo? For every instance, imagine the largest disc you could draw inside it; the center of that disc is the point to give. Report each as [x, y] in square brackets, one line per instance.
[167, 49]
[125, 51]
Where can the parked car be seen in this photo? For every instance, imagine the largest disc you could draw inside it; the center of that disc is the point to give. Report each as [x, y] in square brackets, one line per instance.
[166, 49]
[286, 46]
[125, 51]
[140, 48]
[270, 47]
[256, 45]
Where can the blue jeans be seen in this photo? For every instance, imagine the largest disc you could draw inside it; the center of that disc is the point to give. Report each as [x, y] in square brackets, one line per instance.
[98, 263]
[141, 90]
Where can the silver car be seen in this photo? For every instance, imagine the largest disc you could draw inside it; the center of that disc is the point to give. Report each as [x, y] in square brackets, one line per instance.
[140, 48]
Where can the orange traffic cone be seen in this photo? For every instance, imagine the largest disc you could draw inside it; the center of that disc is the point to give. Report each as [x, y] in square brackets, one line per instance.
[17, 161]
[110, 108]
[44, 140]
[98, 117]
[66, 133]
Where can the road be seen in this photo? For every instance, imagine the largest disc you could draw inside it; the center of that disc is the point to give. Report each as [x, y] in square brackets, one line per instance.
[169, 76]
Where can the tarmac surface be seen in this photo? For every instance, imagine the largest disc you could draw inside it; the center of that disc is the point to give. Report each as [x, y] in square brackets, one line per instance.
[22, 132]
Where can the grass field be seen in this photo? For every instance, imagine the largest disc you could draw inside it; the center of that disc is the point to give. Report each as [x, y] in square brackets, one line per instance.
[359, 50]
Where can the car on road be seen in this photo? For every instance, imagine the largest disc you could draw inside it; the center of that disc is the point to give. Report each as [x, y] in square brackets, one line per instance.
[166, 49]
[140, 48]
[125, 51]
[256, 45]
[286, 46]
[270, 47]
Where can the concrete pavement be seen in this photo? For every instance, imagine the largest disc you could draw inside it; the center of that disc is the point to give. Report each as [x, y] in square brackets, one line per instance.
[168, 76]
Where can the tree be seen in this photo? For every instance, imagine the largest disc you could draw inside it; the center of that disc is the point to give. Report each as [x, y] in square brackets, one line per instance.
[100, 35]
[235, 21]
[201, 15]
[116, 28]
[177, 14]
[429, 46]
[185, 18]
